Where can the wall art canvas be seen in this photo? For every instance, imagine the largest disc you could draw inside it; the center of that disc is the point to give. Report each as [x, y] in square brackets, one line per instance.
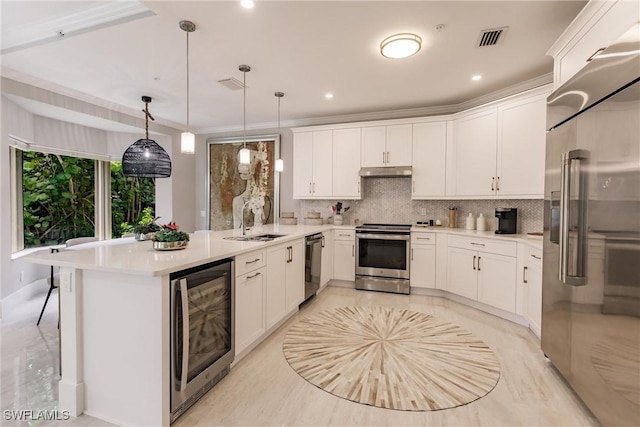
[232, 185]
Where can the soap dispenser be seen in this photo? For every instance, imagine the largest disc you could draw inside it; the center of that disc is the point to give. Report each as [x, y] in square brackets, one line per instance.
[481, 223]
[471, 222]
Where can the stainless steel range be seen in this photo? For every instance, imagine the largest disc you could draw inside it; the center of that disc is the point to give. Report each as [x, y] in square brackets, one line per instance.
[382, 257]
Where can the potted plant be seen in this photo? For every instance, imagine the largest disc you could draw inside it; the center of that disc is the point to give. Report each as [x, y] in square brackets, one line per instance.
[147, 226]
[170, 238]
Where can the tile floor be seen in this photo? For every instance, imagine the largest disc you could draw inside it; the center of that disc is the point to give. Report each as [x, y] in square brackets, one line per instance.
[262, 389]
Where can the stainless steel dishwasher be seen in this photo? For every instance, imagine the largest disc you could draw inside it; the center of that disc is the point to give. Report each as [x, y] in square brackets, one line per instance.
[312, 264]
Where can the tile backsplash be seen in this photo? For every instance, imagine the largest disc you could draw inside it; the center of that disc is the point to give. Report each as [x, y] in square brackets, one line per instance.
[388, 200]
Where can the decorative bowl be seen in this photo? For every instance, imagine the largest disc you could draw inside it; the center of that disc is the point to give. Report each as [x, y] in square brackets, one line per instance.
[170, 246]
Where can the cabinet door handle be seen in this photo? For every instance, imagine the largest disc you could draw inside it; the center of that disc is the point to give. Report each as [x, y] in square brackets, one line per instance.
[358, 186]
[322, 244]
[413, 188]
[479, 258]
[254, 276]
[477, 244]
[343, 235]
[387, 157]
[411, 254]
[251, 262]
[493, 180]
[384, 157]
[423, 238]
[353, 250]
[474, 262]
[524, 275]
[595, 54]
[498, 184]
[535, 256]
[289, 256]
[309, 188]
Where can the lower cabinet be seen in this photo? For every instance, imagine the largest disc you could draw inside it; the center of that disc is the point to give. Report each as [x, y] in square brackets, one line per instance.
[249, 299]
[532, 281]
[326, 267]
[483, 270]
[423, 260]
[250, 321]
[285, 280]
[344, 255]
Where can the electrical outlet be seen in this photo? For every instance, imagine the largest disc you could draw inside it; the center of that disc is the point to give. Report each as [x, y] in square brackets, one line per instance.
[423, 211]
[203, 213]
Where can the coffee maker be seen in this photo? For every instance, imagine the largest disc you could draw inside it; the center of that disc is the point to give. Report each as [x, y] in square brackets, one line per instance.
[507, 220]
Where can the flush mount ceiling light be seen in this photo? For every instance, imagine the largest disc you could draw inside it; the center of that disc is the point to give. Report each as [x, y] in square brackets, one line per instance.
[328, 95]
[188, 139]
[247, 4]
[245, 154]
[400, 45]
[145, 158]
[476, 77]
[279, 162]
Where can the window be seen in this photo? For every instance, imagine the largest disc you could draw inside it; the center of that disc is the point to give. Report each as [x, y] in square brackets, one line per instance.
[129, 197]
[57, 197]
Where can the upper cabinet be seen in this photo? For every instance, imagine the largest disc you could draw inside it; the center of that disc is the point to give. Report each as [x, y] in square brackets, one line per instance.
[597, 25]
[475, 139]
[428, 160]
[387, 145]
[346, 163]
[499, 151]
[521, 148]
[312, 160]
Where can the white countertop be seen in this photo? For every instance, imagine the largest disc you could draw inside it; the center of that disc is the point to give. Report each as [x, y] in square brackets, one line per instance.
[139, 258]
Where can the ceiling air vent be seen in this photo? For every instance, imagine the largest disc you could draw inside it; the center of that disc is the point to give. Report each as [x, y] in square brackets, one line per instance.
[231, 83]
[491, 37]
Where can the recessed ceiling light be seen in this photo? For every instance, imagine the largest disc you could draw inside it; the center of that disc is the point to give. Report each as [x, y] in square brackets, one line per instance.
[247, 4]
[328, 95]
[476, 77]
[400, 45]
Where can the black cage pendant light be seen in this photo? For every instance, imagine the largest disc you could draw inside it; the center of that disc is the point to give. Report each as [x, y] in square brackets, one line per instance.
[145, 158]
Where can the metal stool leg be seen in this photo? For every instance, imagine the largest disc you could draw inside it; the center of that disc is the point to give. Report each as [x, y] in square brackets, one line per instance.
[51, 288]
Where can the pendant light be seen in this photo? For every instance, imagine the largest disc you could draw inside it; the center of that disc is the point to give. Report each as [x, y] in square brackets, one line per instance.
[245, 154]
[145, 158]
[188, 139]
[279, 162]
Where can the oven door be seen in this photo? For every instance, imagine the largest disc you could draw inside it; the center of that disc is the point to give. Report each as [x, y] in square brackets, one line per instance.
[383, 255]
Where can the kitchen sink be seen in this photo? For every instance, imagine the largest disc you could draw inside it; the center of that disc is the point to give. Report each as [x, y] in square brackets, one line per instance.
[256, 238]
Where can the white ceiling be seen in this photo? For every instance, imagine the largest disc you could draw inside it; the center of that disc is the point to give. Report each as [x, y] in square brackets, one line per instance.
[302, 48]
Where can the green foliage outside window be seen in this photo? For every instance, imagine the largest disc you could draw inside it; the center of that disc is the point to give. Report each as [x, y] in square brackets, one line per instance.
[59, 198]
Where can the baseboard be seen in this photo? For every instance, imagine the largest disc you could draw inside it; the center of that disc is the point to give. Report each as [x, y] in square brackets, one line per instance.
[22, 295]
[342, 283]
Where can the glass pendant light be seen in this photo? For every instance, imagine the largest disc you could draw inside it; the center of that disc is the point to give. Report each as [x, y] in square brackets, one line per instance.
[188, 139]
[279, 162]
[245, 154]
[145, 158]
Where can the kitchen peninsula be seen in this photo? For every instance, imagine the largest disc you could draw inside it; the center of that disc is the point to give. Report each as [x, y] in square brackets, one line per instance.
[115, 320]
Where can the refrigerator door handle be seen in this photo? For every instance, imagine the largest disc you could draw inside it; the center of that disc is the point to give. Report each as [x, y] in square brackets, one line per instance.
[568, 160]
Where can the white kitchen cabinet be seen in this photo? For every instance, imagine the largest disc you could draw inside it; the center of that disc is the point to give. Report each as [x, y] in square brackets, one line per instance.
[483, 270]
[387, 145]
[250, 285]
[249, 314]
[346, 163]
[597, 25]
[285, 280]
[475, 137]
[532, 284]
[326, 268]
[312, 164]
[344, 255]
[521, 147]
[429, 159]
[423, 260]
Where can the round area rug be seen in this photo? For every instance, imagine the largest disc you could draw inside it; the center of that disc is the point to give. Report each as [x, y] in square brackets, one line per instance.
[391, 358]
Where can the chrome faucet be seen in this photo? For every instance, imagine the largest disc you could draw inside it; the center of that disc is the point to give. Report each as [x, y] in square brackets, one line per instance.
[244, 232]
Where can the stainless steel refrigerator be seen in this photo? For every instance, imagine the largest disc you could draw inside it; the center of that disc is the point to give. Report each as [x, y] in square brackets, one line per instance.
[591, 269]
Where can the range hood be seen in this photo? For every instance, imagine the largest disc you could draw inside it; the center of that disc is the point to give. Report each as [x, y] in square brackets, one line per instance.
[388, 171]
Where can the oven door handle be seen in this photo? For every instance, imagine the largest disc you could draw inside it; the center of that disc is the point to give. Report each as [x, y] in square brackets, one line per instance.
[383, 236]
[185, 333]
